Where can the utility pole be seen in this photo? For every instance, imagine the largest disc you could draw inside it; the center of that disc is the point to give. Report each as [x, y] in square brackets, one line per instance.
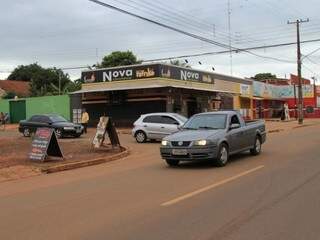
[59, 83]
[300, 94]
[229, 28]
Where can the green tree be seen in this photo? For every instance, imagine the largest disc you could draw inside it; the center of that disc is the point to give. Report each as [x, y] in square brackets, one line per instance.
[9, 95]
[43, 81]
[263, 76]
[179, 63]
[119, 58]
[25, 72]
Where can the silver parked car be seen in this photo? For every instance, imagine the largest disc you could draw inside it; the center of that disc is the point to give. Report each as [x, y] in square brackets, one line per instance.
[155, 126]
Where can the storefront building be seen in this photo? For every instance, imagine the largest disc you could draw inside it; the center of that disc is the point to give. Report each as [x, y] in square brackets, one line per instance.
[269, 100]
[124, 93]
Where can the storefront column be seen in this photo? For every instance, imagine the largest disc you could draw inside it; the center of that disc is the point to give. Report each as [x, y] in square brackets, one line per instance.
[169, 106]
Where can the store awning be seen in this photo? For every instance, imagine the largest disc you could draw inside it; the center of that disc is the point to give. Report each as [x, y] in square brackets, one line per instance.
[121, 88]
[258, 98]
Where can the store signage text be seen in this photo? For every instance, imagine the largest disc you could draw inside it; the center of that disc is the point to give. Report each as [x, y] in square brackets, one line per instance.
[117, 74]
[187, 75]
[144, 73]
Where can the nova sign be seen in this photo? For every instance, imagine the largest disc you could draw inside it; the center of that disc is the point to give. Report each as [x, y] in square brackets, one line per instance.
[117, 75]
[188, 75]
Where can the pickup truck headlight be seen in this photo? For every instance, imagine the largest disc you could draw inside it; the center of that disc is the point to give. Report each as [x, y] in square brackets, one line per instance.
[201, 142]
[164, 143]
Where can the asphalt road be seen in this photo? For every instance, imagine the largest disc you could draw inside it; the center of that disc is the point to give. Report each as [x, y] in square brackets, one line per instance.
[272, 196]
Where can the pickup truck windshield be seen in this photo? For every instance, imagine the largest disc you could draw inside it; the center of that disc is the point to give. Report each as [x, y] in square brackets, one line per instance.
[206, 121]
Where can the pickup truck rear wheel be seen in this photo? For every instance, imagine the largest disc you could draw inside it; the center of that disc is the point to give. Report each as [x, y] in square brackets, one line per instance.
[223, 155]
[256, 150]
[172, 162]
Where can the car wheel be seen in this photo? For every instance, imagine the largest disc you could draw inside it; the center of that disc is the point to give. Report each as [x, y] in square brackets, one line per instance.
[256, 150]
[141, 137]
[223, 155]
[171, 162]
[58, 133]
[26, 132]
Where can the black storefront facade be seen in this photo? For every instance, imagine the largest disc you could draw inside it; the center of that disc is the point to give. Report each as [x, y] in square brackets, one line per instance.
[124, 93]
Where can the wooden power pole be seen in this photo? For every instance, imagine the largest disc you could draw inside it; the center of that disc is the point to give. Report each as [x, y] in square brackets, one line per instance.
[300, 94]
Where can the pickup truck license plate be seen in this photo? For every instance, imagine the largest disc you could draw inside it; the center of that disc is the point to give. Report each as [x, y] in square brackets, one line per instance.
[180, 152]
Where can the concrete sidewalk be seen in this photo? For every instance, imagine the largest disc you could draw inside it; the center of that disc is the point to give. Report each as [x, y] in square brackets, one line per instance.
[277, 126]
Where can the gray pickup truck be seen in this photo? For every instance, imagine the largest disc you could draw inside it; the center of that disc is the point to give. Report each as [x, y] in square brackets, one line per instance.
[213, 135]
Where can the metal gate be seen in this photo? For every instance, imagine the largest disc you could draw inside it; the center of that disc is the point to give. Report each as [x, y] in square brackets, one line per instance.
[17, 111]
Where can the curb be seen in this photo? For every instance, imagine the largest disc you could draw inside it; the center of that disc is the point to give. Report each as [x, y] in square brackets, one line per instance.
[276, 130]
[70, 166]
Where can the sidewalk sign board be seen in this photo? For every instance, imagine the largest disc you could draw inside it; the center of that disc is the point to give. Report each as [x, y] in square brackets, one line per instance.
[104, 126]
[45, 144]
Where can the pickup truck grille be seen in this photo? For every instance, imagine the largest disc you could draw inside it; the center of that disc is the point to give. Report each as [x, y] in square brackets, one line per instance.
[180, 144]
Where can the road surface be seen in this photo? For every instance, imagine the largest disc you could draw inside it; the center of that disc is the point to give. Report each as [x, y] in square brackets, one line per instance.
[272, 196]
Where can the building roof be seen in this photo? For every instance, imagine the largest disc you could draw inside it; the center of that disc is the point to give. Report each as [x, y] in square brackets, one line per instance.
[21, 88]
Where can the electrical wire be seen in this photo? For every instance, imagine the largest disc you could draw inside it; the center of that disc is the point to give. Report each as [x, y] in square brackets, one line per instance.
[222, 45]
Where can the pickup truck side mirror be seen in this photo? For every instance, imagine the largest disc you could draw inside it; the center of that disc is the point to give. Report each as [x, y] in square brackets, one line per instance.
[234, 126]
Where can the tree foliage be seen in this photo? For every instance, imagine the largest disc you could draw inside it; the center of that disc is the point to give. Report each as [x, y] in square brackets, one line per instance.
[25, 72]
[263, 76]
[9, 95]
[119, 58]
[44, 81]
[179, 63]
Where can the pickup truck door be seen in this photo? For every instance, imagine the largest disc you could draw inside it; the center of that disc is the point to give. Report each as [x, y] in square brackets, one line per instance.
[237, 137]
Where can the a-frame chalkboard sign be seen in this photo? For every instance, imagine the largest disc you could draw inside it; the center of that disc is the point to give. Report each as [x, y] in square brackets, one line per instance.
[45, 144]
[105, 126]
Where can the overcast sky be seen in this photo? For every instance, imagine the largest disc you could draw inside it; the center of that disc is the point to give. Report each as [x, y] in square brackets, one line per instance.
[76, 33]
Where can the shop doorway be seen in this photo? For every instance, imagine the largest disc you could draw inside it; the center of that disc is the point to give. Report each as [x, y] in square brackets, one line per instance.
[192, 107]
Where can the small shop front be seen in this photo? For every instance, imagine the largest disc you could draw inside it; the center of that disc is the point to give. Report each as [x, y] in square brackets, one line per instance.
[124, 93]
[269, 100]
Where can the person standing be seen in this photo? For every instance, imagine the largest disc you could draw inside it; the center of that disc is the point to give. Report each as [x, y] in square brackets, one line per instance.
[84, 120]
[286, 112]
[2, 121]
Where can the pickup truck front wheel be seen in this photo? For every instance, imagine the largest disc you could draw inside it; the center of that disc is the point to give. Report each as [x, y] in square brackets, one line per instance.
[256, 150]
[223, 155]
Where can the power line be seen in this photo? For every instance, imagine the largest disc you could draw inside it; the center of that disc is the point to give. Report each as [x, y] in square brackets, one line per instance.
[180, 31]
[309, 54]
[236, 51]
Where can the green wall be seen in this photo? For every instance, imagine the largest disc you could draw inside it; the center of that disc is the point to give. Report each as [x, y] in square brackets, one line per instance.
[49, 104]
[4, 106]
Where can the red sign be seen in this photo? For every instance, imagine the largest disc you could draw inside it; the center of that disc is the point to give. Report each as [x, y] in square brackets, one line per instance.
[318, 90]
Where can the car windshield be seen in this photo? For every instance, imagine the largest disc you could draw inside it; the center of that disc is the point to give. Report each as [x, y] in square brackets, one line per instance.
[206, 121]
[180, 117]
[57, 119]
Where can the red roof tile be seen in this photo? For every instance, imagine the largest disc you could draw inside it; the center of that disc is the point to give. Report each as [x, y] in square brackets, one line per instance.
[21, 88]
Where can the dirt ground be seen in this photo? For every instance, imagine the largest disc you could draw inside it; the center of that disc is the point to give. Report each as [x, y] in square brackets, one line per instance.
[14, 149]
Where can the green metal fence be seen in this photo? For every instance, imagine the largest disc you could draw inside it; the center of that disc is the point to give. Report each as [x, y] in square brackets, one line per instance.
[21, 109]
[4, 106]
[49, 104]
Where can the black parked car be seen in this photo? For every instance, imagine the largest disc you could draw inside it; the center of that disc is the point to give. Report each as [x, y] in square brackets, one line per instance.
[61, 126]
